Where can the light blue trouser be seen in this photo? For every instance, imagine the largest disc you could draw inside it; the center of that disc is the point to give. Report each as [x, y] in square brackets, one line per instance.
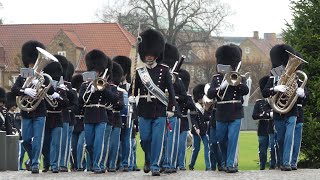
[33, 128]
[94, 135]
[171, 149]
[285, 136]
[152, 137]
[196, 148]
[228, 136]
[296, 144]
[182, 149]
[51, 147]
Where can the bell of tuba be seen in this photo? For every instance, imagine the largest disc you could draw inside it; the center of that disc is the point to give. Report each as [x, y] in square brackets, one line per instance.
[27, 103]
[283, 102]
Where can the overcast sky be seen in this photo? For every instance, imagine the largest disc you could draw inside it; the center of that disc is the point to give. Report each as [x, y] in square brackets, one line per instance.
[265, 16]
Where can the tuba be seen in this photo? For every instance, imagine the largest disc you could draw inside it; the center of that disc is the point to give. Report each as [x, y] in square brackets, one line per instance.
[283, 102]
[27, 103]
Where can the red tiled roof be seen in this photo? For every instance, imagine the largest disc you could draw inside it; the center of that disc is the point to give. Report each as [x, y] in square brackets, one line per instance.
[265, 45]
[111, 38]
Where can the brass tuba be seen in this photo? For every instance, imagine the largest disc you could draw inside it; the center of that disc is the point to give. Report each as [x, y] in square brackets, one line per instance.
[27, 103]
[283, 102]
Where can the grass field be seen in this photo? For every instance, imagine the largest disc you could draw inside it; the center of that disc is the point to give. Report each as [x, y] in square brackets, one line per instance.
[248, 158]
[248, 153]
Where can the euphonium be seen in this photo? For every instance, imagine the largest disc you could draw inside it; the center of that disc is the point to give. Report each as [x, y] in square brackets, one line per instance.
[27, 103]
[283, 102]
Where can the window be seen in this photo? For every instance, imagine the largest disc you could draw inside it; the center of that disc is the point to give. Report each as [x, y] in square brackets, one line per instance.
[62, 53]
[247, 50]
[12, 80]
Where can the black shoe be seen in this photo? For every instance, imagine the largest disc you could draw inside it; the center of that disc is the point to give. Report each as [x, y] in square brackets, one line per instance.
[97, 171]
[80, 169]
[35, 171]
[191, 168]
[103, 171]
[231, 170]
[167, 170]
[45, 169]
[54, 171]
[285, 168]
[125, 169]
[146, 168]
[28, 165]
[63, 169]
[221, 169]
[174, 170]
[183, 169]
[294, 168]
[136, 169]
[272, 167]
[112, 170]
[162, 169]
[155, 173]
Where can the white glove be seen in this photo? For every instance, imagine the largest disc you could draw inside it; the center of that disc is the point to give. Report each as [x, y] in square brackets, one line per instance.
[170, 114]
[300, 92]
[30, 92]
[92, 89]
[35, 81]
[224, 84]
[55, 95]
[280, 88]
[132, 99]
[198, 131]
[62, 86]
[271, 114]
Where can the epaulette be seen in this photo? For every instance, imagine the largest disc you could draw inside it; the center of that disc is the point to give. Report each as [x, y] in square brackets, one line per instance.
[121, 89]
[259, 100]
[74, 89]
[139, 67]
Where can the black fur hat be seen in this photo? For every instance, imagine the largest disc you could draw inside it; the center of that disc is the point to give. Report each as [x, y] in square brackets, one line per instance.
[152, 44]
[3, 96]
[279, 56]
[64, 63]
[96, 60]
[171, 55]
[29, 53]
[262, 82]
[11, 100]
[185, 77]
[198, 92]
[76, 81]
[70, 71]
[55, 70]
[117, 73]
[229, 54]
[125, 63]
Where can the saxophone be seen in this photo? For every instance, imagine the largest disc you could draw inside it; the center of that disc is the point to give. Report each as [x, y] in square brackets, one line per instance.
[283, 102]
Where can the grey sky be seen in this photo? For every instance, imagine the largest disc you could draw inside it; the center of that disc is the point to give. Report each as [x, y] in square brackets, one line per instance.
[264, 16]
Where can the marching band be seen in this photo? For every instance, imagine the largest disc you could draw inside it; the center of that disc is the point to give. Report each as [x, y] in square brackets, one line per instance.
[90, 120]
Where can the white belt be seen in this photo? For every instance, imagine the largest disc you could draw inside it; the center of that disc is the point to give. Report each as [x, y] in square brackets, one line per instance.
[146, 96]
[94, 105]
[184, 115]
[79, 116]
[300, 105]
[229, 102]
[53, 111]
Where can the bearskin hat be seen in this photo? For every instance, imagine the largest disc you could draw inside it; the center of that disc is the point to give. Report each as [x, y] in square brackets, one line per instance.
[76, 81]
[55, 70]
[125, 63]
[70, 71]
[229, 54]
[3, 96]
[198, 92]
[171, 55]
[11, 100]
[117, 73]
[64, 63]
[152, 44]
[96, 60]
[262, 82]
[279, 56]
[185, 77]
[29, 53]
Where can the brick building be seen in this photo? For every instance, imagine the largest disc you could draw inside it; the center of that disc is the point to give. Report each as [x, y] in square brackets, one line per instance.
[71, 40]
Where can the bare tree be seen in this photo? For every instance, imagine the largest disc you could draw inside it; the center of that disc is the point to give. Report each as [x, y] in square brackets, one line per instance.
[181, 21]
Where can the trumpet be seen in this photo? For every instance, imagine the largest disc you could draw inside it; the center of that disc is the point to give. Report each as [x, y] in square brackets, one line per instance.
[99, 84]
[27, 103]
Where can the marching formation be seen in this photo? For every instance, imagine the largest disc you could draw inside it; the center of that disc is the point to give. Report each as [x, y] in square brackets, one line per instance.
[88, 121]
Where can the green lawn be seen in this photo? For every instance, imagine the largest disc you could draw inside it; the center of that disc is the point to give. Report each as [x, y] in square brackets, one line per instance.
[248, 158]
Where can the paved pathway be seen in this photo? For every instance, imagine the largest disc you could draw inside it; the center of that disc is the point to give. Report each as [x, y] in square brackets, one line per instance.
[301, 174]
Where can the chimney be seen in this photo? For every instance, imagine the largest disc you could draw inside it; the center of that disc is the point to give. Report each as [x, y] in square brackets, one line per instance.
[256, 34]
[270, 37]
